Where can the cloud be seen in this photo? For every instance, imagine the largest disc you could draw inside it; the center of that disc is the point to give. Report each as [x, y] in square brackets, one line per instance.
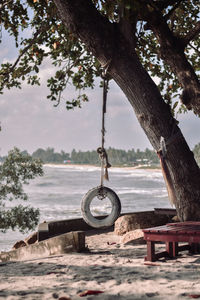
[30, 121]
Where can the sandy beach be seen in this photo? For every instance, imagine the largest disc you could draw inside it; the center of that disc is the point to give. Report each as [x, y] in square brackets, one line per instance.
[115, 269]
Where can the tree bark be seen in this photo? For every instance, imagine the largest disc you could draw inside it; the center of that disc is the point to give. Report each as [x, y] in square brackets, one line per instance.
[108, 43]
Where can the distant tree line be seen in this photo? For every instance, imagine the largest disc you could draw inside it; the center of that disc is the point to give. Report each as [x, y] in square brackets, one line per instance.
[116, 157]
[50, 156]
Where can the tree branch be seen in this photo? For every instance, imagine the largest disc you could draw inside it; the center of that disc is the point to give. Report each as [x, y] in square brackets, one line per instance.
[172, 52]
[128, 30]
[195, 49]
[164, 4]
[192, 34]
[4, 4]
[95, 30]
[167, 16]
[41, 29]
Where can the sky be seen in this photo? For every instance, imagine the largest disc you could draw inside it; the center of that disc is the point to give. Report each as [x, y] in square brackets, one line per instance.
[30, 121]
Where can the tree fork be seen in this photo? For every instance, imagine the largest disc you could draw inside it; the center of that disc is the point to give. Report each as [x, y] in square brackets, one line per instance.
[152, 112]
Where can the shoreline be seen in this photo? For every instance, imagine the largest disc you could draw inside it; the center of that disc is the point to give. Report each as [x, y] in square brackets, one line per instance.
[139, 167]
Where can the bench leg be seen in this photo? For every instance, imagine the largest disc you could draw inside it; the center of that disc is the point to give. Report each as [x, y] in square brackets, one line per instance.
[169, 248]
[150, 251]
[175, 249]
[172, 249]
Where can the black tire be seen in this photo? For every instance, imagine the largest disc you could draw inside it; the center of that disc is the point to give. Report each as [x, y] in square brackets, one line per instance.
[108, 220]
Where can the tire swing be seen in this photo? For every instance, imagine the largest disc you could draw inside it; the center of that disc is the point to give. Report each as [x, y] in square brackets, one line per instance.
[102, 192]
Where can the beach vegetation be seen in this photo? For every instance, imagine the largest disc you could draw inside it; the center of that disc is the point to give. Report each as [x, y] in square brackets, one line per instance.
[16, 170]
[149, 48]
[50, 156]
[117, 157]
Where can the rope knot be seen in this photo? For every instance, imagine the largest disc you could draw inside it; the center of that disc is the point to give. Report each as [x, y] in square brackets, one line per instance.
[104, 161]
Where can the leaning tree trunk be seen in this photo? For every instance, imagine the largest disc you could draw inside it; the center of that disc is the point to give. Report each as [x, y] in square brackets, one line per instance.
[155, 118]
[108, 43]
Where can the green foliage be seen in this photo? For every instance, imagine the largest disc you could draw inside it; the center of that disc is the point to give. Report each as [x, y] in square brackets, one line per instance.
[23, 218]
[49, 156]
[16, 170]
[116, 156]
[50, 39]
[180, 21]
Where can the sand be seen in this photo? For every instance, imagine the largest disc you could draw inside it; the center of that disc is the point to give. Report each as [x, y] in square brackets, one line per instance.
[118, 270]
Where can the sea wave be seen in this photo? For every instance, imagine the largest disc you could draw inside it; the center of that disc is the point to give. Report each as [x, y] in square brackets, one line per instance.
[150, 191]
[71, 168]
[134, 171]
[56, 191]
[141, 174]
[59, 192]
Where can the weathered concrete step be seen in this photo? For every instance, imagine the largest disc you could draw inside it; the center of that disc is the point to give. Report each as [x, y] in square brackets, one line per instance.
[54, 228]
[142, 219]
[64, 243]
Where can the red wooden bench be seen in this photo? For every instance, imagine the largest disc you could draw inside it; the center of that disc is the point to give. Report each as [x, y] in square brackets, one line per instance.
[172, 234]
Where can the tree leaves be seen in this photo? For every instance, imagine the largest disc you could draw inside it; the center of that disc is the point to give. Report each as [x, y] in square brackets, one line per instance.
[16, 170]
[23, 218]
[48, 37]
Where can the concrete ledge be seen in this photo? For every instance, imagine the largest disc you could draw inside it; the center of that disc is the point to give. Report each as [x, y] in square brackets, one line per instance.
[54, 228]
[65, 243]
[165, 211]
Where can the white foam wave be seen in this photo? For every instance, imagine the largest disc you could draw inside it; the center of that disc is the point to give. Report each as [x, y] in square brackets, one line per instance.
[123, 170]
[71, 168]
[150, 191]
[143, 174]
[55, 191]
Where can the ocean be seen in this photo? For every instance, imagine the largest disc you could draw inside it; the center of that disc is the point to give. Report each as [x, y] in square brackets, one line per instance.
[59, 192]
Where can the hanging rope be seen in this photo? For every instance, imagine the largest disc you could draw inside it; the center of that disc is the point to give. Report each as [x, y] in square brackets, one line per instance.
[101, 150]
[102, 192]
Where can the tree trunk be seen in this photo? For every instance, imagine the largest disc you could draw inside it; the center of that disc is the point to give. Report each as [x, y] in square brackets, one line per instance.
[155, 118]
[107, 42]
